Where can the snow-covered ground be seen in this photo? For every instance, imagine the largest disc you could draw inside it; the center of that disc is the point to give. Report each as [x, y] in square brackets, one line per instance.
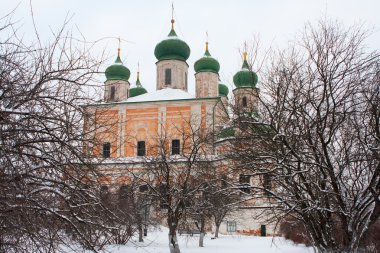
[156, 242]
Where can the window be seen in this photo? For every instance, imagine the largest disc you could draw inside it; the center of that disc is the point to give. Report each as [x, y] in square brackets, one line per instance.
[113, 91]
[267, 184]
[263, 230]
[125, 196]
[206, 191]
[143, 188]
[104, 192]
[175, 147]
[245, 185]
[103, 189]
[106, 150]
[223, 182]
[168, 76]
[123, 192]
[185, 81]
[163, 196]
[231, 226]
[244, 102]
[244, 179]
[141, 148]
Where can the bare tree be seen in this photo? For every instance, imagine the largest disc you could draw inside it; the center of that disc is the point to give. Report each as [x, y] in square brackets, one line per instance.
[44, 197]
[223, 198]
[316, 138]
[176, 175]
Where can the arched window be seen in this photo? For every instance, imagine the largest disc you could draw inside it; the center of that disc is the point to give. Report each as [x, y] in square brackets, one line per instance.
[245, 185]
[113, 92]
[176, 147]
[223, 181]
[141, 148]
[185, 81]
[168, 76]
[123, 192]
[103, 189]
[143, 188]
[244, 102]
[125, 197]
[104, 192]
[163, 196]
[106, 150]
[267, 184]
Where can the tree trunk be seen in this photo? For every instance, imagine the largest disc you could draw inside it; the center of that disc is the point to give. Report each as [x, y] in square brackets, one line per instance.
[140, 227]
[173, 242]
[202, 232]
[217, 230]
[201, 237]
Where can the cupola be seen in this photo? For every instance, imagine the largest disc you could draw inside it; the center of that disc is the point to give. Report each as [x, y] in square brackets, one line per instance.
[139, 89]
[172, 48]
[117, 71]
[207, 63]
[245, 77]
[223, 90]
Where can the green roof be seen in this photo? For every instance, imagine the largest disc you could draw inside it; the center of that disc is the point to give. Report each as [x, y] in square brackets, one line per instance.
[138, 90]
[223, 90]
[117, 71]
[172, 48]
[226, 132]
[245, 77]
[207, 63]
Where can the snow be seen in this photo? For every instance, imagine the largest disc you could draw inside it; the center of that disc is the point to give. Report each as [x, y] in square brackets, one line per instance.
[157, 242]
[163, 94]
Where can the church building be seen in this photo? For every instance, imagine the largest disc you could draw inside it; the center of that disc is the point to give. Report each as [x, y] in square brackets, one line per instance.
[125, 127]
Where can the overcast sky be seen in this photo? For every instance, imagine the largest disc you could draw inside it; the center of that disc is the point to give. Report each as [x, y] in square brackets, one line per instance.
[143, 23]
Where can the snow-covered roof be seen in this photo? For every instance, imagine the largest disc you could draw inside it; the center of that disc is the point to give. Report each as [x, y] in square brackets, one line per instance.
[163, 94]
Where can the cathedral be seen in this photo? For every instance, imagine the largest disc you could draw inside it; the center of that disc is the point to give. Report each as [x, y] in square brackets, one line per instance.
[127, 125]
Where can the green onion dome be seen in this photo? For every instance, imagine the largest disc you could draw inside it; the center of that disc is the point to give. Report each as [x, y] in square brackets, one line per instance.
[223, 90]
[207, 63]
[138, 90]
[245, 77]
[172, 48]
[117, 71]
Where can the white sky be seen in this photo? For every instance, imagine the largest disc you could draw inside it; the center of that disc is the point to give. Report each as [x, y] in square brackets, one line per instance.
[143, 23]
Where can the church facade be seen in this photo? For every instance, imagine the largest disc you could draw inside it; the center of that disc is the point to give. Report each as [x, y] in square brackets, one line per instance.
[127, 126]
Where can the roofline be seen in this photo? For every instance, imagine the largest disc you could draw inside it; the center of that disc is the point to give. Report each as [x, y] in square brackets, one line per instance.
[206, 71]
[173, 59]
[245, 87]
[152, 101]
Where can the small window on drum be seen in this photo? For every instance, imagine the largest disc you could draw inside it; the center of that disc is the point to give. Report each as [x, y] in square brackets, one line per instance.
[113, 92]
[185, 81]
[168, 76]
[244, 102]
